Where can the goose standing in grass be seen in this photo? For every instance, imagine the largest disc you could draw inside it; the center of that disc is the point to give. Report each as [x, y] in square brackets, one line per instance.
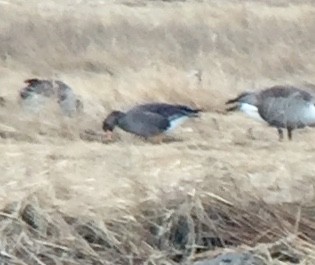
[36, 86]
[39, 91]
[149, 120]
[283, 107]
[36, 94]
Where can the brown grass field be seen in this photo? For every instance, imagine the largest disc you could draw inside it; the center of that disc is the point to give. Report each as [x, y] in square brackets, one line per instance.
[66, 199]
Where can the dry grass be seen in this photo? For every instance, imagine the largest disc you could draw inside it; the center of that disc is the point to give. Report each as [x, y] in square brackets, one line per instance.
[66, 200]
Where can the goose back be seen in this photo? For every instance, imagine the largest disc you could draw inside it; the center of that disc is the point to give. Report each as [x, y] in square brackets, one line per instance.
[171, 112]
[143, 123]
[286, 107]
[37, 87]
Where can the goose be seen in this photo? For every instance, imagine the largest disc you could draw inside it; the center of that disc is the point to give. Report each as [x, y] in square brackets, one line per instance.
[149, 120]
[36, 94]
[39, 91]
[35, 86]
[282, 107]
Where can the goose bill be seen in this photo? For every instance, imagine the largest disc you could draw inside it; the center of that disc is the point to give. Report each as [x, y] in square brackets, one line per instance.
[108, 136]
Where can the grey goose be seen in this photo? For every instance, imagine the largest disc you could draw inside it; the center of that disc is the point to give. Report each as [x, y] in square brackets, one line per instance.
[149, 120]
[282, 107]
[39, 91]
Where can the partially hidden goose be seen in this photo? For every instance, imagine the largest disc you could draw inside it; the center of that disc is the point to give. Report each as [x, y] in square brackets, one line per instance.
[283, 107]
[37, 86]
[39, 91]
[149, 120]
[68, 101]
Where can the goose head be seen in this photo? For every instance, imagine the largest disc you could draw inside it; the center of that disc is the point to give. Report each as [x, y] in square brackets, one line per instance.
[112, 120]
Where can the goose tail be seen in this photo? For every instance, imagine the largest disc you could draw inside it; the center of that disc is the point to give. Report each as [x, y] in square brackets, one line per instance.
[190, 112]
[233, 100]
[233, 108]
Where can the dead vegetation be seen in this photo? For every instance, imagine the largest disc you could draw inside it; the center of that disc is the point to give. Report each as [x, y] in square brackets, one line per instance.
[226, 184]
[175, 230]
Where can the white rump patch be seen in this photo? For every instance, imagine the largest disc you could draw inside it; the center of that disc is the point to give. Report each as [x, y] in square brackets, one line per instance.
[309, 114]
[251, 111]
[175, 123]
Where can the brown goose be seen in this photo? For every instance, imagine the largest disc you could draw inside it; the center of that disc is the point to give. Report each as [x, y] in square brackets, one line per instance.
[283, 107]
[149, 120]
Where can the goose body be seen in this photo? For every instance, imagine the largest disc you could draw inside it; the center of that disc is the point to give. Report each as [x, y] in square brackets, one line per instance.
[38, 87]
[149, 120]
[282, 107]
[39, 91]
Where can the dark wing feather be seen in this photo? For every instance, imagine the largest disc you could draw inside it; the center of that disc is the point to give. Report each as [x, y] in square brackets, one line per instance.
[144, 123]
[285, 92]
[238, 98]
[168, 111]
[31, 81]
